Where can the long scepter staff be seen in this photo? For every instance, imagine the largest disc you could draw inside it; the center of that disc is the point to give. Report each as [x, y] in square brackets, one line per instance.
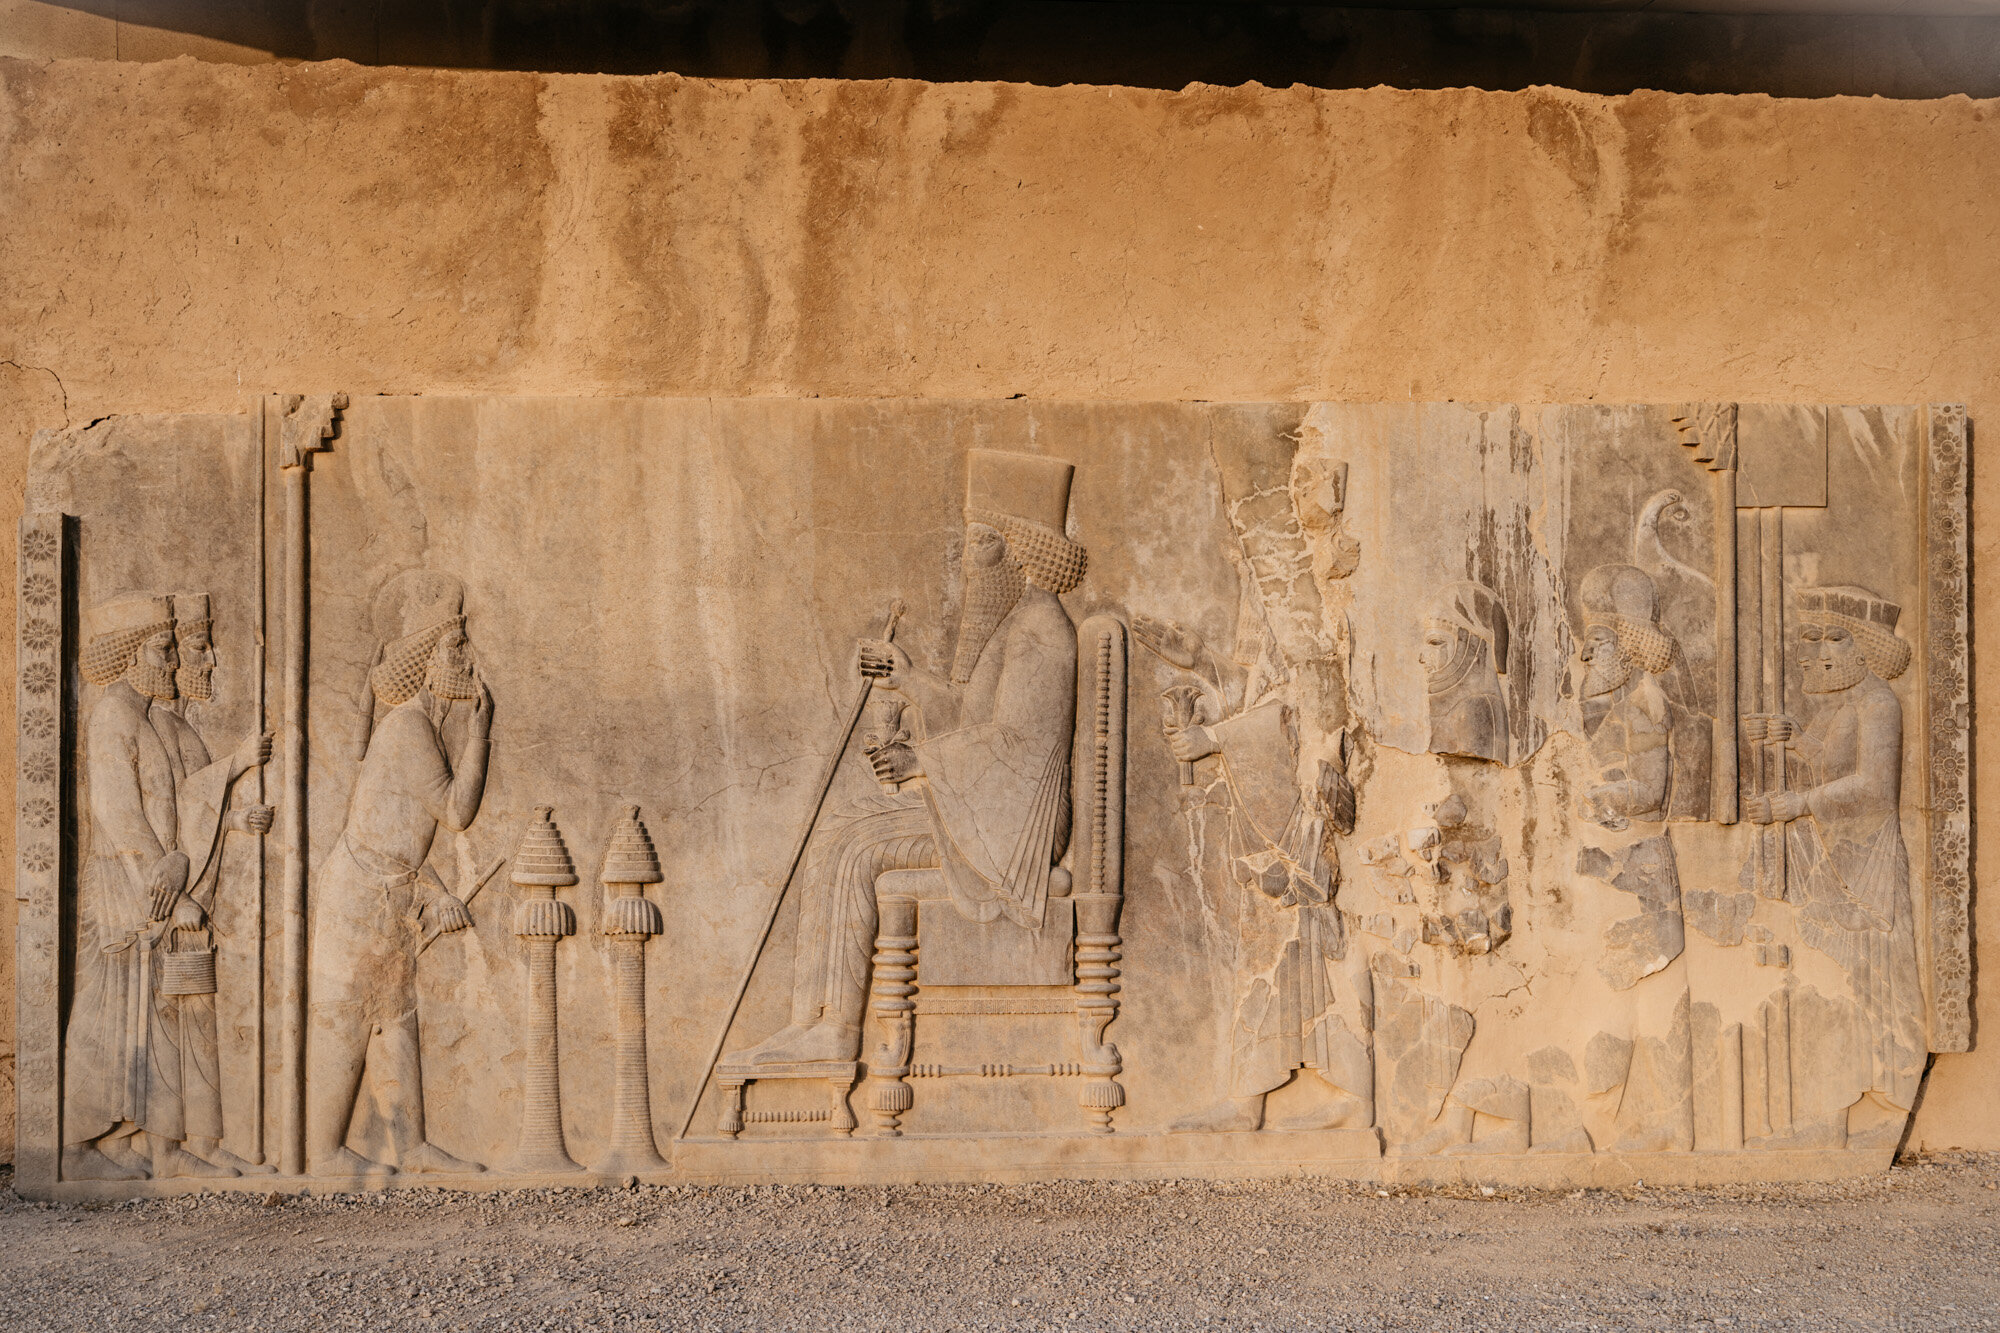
[791, 873]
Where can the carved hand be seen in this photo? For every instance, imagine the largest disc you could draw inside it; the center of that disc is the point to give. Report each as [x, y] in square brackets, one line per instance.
[882, 661]
[449, 914]
[188, 915]
[254, 752]
[1787, 805]
[1176, 644]
[1191, 743]
[256, 818]
[482, 704]
[1777, 808]
[1759, 727]
[169, 877]
[895, 763]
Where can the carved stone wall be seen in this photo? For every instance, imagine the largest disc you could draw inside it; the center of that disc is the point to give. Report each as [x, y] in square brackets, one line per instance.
[1560, 793]
[395, 231]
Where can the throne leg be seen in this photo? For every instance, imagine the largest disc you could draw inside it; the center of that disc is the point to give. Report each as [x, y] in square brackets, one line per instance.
[894, 1013]
[840, 1117]
[1097, 955]
[732, 1107]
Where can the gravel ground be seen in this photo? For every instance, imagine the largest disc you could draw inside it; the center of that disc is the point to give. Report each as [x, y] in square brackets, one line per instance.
[1914, 1249]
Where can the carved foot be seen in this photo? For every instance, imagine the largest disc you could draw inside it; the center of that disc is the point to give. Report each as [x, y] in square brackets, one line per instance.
[124, 1150]
[171, 1161]
[1829, 1133]
[1876, 1136]
[86, 1162]
[769, 1051]
[1872, 1122]
[802, 1044]
[1663, 1139]
[429, 1157]
[346, 1163]
[212, 1152]
[1512, 1139]
[1347, 1112]
[1237, 1115]
[1439, 1138]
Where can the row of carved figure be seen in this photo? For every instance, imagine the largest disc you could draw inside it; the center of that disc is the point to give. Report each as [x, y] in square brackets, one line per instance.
[990, 820]
[987, 775]
[143, 1092]
[1326, 984]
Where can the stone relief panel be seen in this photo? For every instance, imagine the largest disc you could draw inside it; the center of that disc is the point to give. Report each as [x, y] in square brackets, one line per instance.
[502, 791]
[142, 668]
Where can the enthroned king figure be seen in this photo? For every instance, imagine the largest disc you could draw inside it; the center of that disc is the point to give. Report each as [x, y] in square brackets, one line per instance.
[982, 790]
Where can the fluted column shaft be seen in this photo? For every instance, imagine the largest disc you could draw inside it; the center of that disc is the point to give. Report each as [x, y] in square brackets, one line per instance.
[541, 923]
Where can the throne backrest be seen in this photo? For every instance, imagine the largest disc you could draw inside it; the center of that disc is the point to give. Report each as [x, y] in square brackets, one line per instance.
[1097, 765]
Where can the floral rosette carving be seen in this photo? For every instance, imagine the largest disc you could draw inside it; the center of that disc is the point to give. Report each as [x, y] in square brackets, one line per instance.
[38, 682]
[1948, 710]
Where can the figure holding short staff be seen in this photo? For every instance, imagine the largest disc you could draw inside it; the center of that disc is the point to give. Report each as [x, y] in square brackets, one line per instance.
[983, 785]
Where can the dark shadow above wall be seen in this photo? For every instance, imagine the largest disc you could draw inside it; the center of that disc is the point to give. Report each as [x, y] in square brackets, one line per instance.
[1148, 43]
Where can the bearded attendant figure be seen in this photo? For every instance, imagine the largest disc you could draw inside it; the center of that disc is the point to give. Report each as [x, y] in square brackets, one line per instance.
[373, 907]
[1650, 748]
[983, 788]
[1464, 655]
[1847, 866]
[201, 798]
[140, 1090]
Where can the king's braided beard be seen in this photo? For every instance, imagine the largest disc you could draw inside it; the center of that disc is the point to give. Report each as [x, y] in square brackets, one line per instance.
[990, 593]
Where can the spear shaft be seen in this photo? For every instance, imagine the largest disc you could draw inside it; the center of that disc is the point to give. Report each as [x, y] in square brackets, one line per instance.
[791, 873]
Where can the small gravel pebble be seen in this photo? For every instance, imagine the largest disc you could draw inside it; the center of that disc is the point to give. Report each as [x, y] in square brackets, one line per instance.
[1917, 1248]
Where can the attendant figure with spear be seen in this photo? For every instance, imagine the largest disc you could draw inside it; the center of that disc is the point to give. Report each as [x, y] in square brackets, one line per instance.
[1848, 870]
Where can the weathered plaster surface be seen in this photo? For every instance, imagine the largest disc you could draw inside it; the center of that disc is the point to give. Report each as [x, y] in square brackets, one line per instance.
[181, 236]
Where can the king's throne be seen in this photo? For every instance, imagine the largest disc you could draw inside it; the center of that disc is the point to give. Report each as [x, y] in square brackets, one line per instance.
[932, 965]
